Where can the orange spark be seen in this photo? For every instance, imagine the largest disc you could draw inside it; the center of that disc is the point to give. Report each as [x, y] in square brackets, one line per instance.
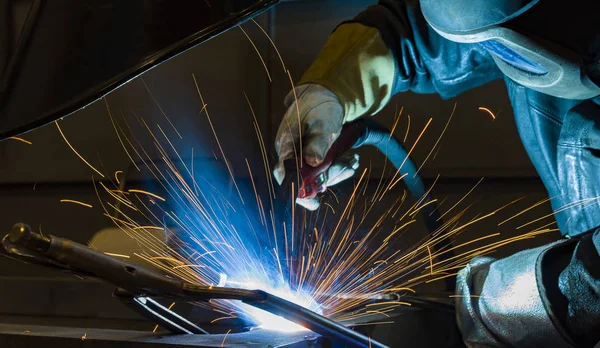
[149, 228]
[407, 129]
[119, 136]
[147, 193]
[272, 43]
[436, 143]
[76, 202]
[118, 255]
[298, 114]
[430, 260]
[223, 343]
[396, 122]
[457, 203]
[488, 111]
[217, 139]
[161, 110]
[117, 176]
[257, 52]
[21, 140]
[77, 153]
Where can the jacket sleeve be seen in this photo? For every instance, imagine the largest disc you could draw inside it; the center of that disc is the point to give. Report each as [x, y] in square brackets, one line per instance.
[389, 48]
[543, 297]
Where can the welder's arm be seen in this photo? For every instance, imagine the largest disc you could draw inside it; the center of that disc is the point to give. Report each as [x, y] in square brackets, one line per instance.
[543, 297]
[385, 50]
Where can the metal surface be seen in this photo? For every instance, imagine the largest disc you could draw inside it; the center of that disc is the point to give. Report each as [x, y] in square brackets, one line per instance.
[73, 52]
[143, 282]
[25, 336]
[157, 313]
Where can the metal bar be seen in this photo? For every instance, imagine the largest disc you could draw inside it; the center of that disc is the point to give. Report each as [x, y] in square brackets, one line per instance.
[138, 280]
[154, 311]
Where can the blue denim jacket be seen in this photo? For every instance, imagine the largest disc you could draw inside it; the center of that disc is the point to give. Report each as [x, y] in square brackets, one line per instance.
[562, 138]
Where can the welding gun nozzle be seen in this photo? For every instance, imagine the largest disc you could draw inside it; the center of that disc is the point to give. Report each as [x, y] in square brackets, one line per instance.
[21, 234]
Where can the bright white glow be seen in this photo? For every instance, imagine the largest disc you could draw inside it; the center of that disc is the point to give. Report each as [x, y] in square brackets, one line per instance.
[269, 321]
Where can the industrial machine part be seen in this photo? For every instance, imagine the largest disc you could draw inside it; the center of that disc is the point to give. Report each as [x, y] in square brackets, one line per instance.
[138, 283]
[47, 336]
[72, 53]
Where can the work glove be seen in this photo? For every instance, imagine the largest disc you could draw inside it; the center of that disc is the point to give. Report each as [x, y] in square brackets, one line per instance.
[352, 77]
[317, 116]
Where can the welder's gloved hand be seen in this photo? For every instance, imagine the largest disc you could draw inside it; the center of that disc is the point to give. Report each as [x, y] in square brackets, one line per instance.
[319, 115]
[352, 77]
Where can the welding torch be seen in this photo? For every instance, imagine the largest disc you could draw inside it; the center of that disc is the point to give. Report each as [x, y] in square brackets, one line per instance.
[367, 132]
[24, 245]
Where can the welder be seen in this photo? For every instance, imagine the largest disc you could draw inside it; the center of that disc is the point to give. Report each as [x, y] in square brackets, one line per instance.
[548, 53]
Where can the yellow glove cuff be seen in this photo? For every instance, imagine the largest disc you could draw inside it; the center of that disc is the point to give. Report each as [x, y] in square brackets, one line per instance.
[357, 67]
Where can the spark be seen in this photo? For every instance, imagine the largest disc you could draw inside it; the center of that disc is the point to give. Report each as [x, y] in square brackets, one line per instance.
[437, 141]
[181, 266]
[147, 193]
[21, 140]
[257, 52]
[460, 200]
[217, 139]
[525, 210]
[430, 260]
[329, 205]
[76, 202]
[77, 153]
[117, 176]
[565, 207]
[442, 277]
[119, 136]
[263, 150]
[410, 152]
[84, 336]
[298, 116]
[389, 303]
[373, 323]
[378, 312]
[407, 129]
[396, 122]
[272, 44]
[117, 255]
[222, 318]
[488, 111]
[160, 108]
[224, 338]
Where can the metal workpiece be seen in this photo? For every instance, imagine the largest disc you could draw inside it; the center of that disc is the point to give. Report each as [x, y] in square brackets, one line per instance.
[137, 284]
[151, 32]
[31, 336]
[157, 313]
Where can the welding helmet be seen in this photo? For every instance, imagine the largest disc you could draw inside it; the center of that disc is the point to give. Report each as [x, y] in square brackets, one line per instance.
[544, 45]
